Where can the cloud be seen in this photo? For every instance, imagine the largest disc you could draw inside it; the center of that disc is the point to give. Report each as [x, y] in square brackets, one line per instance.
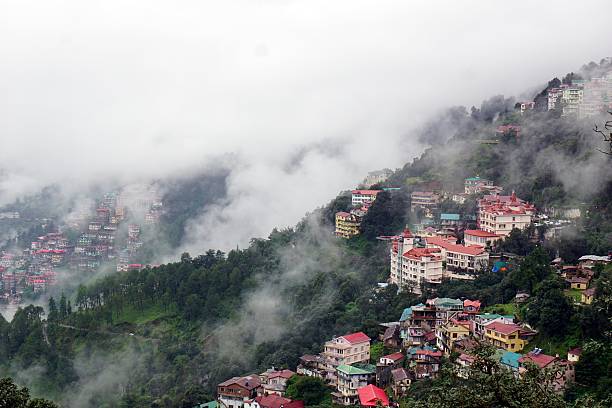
[134, 91]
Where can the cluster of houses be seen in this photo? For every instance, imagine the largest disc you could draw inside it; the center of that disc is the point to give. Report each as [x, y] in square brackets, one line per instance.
[348, 223]
[579, 277]
[583, 98]
[416, 345]
[105, 237]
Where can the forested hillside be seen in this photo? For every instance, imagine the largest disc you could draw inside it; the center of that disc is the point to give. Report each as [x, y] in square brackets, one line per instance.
[166, 336]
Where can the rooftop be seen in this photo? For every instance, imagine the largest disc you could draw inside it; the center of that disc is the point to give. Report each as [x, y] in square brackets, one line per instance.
[354, 370]
[359, 337]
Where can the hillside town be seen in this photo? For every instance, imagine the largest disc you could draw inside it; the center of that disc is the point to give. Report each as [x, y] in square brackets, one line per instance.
[444, 246]
[107, 234]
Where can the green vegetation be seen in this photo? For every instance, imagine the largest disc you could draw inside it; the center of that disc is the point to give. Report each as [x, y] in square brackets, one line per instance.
[11, 396]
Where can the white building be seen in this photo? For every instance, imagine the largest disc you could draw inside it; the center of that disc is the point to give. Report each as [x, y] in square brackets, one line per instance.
[501, 214]
[364, 196]
[480, 237]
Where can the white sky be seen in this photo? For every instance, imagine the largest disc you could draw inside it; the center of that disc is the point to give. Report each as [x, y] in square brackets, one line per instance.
[130, 90]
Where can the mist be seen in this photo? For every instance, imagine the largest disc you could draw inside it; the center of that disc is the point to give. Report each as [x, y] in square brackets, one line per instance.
[307, 97]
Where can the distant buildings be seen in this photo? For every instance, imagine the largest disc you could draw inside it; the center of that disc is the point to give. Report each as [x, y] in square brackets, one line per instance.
[345, 350]
[234, 392]
[479, 237]
[376, 177]
[350, 379]
[424, 199]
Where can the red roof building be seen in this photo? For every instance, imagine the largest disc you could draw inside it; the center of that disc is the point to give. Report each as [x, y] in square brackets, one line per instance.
[354, 338]
[371, 395]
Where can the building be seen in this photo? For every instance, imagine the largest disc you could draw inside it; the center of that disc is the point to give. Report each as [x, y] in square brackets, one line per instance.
[384, 367]
[376, 177]
[345, 350]
[572, 99]
[499, 215]
[350, 379]
[400, 382]
[460, 258]
[273, 401]
[472, 185]
[312, 366]
[450, 219]
[471, 307]
[424, 199]
[510, 360]
[509, 337]
[587, 296]
[479, 237]
[481, 320]
[573, 355]
[578, 282]
[360, 197]
[274, 381]
[372, 396]
[451, 331]
[563, 370]
[347, 224]
[234, 392]
[525, 106]
[505, 130]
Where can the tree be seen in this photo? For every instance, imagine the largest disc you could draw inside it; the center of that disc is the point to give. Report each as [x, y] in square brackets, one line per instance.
[549, 310]
[11, 396]
[311, 390]
[53, 313]
[606, 134]
[63, 310]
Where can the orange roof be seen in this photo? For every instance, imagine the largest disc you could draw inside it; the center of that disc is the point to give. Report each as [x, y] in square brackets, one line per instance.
[395, 356]
[480, 233]
[449, 246]
[541, 360]
[418, 253]
[472, 303]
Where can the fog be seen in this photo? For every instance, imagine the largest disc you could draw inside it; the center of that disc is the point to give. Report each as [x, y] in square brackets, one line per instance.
[306, 96]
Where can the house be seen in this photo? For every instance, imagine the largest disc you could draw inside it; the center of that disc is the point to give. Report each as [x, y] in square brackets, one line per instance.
[509, 337]
[424, 199]
[588, 261]
[400, 381]
[372, 396]
[573, 355]
[385, 365]
[525, 106]
[424, 362]
[364, 196]
[273, 401]
[345, 350]
[463, 362]
[481, 320]
[391, 337]
[563, 369]
[472, 185]
[350, 379]
[471, 307]
[312, 366]
[499, 215]
[451, 331]
[577, 282]
[587, 296]
[480, 237]
[450, 219]
[234, 392]
[274, 381]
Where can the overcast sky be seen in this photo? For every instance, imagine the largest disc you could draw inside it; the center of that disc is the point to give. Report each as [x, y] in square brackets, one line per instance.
[92, 90]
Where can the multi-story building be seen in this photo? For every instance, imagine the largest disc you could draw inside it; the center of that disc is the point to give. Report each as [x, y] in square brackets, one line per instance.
[479, 237]
[364, 196]
[572, 99]
[234, 392]
[499, 215]
[481, 320]
[472, 185]
[451, 331]
[510, 337]
[555, 95]
[345, 350]
[312, 366]
[376, 177]
[460, 258]
[347, 224]
[424, 199]
[525, 106]
[350, 379]
[274, 381]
